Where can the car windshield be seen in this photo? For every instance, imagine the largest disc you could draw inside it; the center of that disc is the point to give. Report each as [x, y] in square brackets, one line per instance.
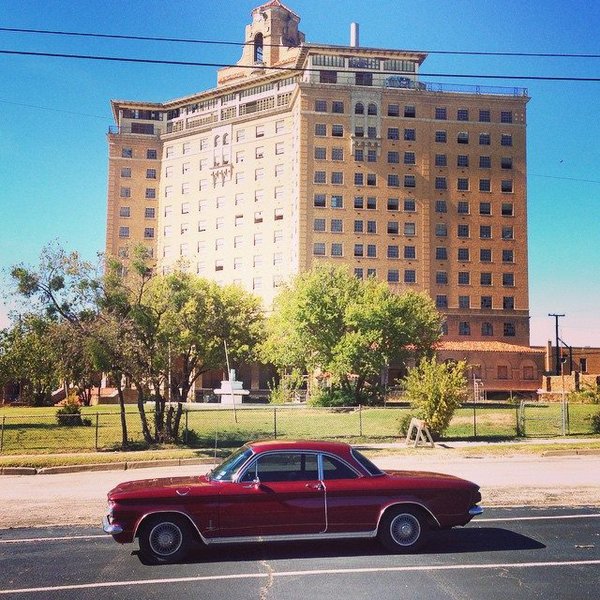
[366, 463]
[227, 469]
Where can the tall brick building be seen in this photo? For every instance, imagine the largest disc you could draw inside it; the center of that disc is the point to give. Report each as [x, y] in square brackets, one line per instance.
[307, 152]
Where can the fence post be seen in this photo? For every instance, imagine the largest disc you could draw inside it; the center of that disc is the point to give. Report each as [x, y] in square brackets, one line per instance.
[185, 433]
[96, 442]
[275, 422]
[475, 420]
[2, 433]
[360, 427]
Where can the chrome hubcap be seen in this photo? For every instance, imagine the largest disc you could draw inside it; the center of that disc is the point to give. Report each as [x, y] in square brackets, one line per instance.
[165, 539]
[405, 529]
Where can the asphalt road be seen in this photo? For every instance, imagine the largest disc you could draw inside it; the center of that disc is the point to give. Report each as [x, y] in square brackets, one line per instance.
[506, 553]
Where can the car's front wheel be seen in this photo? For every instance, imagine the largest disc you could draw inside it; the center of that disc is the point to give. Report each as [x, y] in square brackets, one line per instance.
[165, 538]
[403, 529]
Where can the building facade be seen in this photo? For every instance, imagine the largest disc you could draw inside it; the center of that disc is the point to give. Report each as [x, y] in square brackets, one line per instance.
[309, 152]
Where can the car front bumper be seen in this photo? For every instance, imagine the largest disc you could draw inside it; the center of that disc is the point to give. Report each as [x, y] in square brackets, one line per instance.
[111, 528]
[475, 511]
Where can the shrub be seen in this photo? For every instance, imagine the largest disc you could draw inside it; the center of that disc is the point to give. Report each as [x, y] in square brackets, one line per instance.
[435, 390]
[595, 421]
[69, 413]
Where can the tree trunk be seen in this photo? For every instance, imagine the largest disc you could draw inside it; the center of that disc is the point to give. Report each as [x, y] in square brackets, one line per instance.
[124, 440]
[142, 411]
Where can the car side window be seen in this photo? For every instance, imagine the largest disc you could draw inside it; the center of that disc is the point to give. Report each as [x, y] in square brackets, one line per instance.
[284, 466]
[336, 469]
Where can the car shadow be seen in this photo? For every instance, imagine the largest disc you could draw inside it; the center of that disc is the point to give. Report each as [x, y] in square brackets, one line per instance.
[454, 541]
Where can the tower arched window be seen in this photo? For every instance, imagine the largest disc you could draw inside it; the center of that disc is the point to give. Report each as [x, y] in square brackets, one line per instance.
[258, 48]
[359, 108]
[372, 109]
[217, 138]
[225, 139]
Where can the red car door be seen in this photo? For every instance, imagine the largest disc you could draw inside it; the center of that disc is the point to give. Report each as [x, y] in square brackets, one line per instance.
[278, 494]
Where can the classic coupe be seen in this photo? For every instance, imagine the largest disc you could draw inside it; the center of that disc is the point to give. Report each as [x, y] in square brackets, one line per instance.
[288, 490]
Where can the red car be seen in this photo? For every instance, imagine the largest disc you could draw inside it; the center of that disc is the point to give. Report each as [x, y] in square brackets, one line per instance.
[288, 490]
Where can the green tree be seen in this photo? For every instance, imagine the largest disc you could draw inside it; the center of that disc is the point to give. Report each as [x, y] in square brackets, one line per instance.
[435, 390]
[328, 321]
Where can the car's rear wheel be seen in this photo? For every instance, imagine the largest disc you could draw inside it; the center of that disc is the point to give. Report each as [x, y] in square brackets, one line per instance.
[165, 538]
[403, 529]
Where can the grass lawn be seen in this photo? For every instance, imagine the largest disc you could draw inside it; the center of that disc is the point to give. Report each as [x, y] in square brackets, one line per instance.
[35, 430]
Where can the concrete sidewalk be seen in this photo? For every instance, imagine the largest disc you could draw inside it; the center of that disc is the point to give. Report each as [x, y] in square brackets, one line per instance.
[522, 480]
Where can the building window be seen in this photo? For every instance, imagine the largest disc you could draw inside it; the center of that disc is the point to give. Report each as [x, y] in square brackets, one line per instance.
[320, 129]
[150, 173]
[371, 203]
[125, 192]
[320, 105]
[320, 177]
[441, 160]
[393, 276]
[484, 139]
[409, 205]
[441, 253]
[393, 158]
[327, 76]
[485, 208]
[410, 229]
[410, 252]
[509, 330]
[508, 302]
[123, 232]
[462, 160]
[359, 273]
[485, 255]
[485, 232]
[485, 185]
[372, 109]
[362, 78]
[337, 130]
[336, 249]
[508, 232]
[393, 110]
[393, 251]
[337, 225]
[528, 373]
[127, 152]
[462, 207]
[506, 139]
[485, 162]
[358, 250]
[462, 137]
[337, 178]
[410, 181]
[507, 186]
[337, 107]
[508, 279]
[441, 278]
[440, 183]
[506, 116]
[441, 301]
[393, 204]
[337, 154]
[150, 193]
[359, 179]
[464, 278]
[441, 230]
[506, 162]
[484, 116]
[464, 302]
[441, 137]
[371, 179]
[485, 279]
[319, 225]
[508, 256]
[320, 153]
[410, 111]
[502, 372]
[410, 135]
[393, 180]
[358, 202]
[149, 212]
[126, 172]
[463, 255]
[463, 230]
[409, 158]
[359, 154]
[441, 113]
[487, 329]
[392, 227]
[371, 226]
[462, 184]
[337, 202]
[371, 250]
[319, 249]
[462, 114]
[410, 276]
[464, 328]
[486, 302]
[441, 206]
[393, 133]
[125, 211]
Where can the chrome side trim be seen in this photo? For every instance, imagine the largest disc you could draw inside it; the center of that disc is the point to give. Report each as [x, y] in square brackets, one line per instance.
[111, 529]
[474, 511]
[169, 512]
[292, 538]
[406, 503]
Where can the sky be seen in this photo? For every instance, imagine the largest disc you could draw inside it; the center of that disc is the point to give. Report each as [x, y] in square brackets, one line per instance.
[56, 112]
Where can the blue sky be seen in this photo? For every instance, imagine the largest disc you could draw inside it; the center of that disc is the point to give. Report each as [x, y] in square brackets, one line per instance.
[53, 153]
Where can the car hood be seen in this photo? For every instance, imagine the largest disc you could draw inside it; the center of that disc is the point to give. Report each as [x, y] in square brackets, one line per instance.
[159, 487]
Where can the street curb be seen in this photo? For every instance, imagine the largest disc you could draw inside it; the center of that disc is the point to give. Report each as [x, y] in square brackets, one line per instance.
[583, 452]
[116, 466]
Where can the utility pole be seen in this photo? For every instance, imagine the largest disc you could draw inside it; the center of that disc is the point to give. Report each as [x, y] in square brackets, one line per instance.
[558, 364]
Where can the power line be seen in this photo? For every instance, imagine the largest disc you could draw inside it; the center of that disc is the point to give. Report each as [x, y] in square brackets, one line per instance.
[565, 178]
[288, 69]
[230, 43]
[69, 112]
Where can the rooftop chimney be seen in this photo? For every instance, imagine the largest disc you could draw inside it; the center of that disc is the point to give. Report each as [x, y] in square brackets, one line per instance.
[354, 42]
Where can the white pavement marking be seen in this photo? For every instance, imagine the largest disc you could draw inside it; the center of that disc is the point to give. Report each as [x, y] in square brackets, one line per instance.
[419, 568]
[537, 518]
[56, 539]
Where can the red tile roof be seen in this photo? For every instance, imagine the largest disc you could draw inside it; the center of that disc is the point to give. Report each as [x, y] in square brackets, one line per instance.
[470, 346]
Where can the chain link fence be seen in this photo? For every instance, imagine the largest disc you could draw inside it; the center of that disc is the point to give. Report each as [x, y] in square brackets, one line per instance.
[37, 430]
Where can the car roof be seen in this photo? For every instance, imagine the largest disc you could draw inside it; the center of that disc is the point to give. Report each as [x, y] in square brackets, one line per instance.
[314, 445]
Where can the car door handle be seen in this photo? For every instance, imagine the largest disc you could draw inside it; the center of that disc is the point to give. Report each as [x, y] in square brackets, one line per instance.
[315, 486]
